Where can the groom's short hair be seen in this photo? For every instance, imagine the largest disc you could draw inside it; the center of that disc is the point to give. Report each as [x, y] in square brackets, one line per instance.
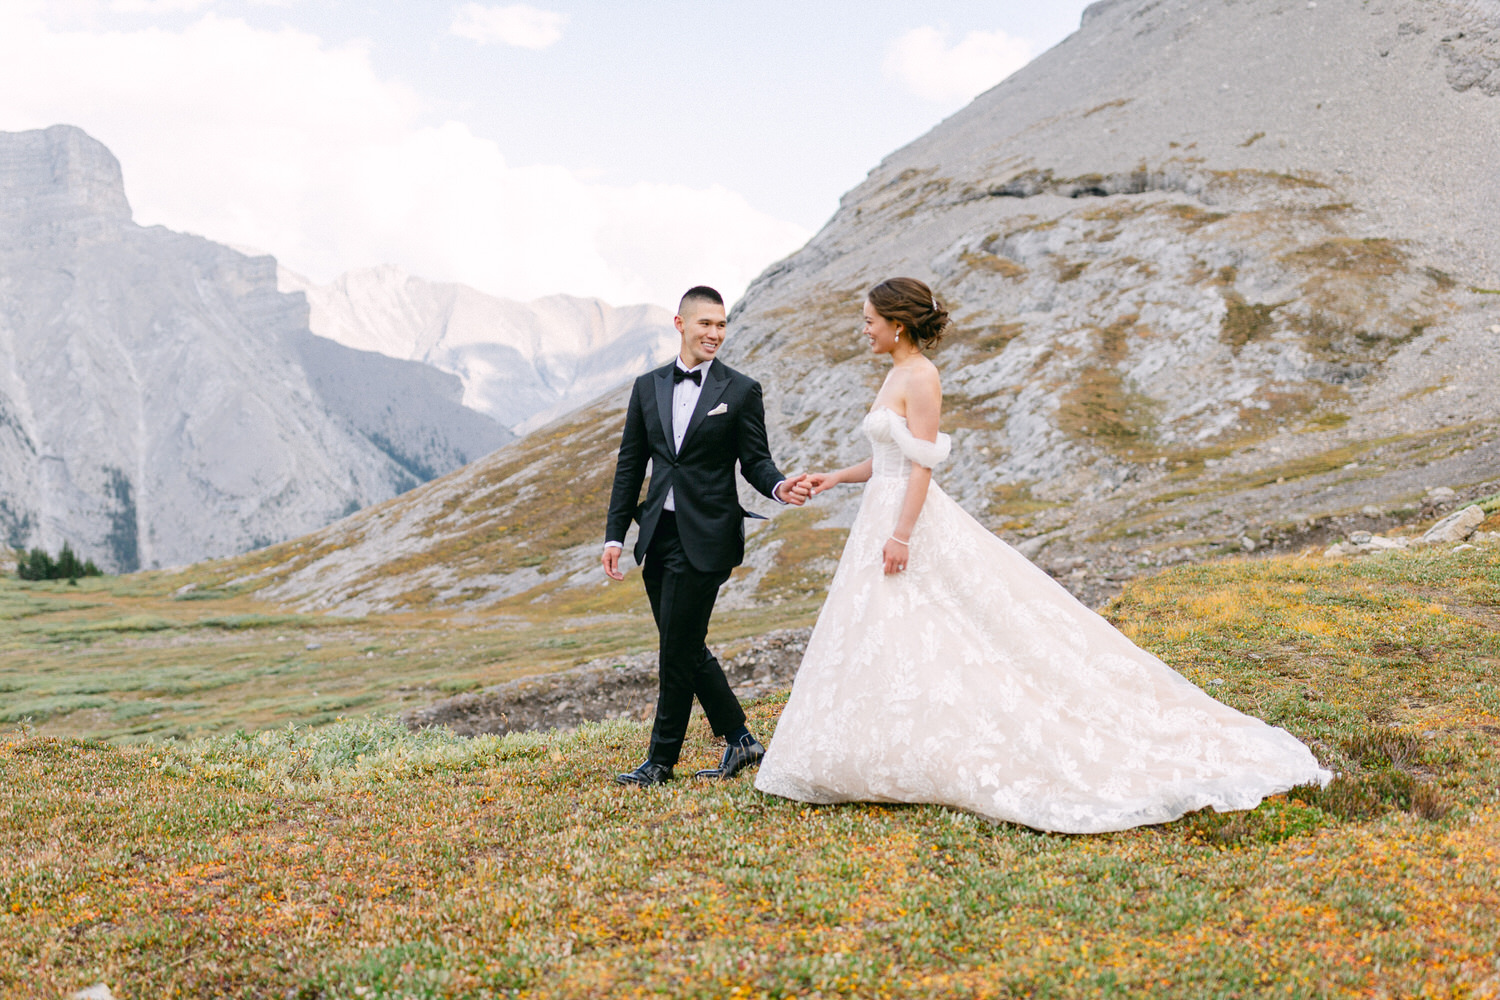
[699, 293]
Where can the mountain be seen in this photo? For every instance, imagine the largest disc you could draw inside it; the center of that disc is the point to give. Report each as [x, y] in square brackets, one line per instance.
[1226, 277]
[1219, 271]
[520, 363]
[161, 402]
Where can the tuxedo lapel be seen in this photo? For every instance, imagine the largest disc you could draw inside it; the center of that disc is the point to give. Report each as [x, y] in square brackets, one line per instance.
[714, 385]
[664, 400]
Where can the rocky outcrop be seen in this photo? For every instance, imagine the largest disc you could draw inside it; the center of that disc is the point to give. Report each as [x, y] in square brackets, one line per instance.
[1456, 527]
[1460, 526]
[161, 402]
[1206, 289]
[616, 688]
[521, 363]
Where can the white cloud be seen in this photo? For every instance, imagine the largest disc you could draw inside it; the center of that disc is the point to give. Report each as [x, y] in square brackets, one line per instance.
[931, 68]
[518, 24]
[156, 6]
[272, 139]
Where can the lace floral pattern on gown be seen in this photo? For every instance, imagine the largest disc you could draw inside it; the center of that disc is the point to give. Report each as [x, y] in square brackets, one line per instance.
[974, 680]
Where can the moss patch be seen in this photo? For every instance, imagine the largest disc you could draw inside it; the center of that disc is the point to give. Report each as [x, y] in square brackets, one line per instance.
[1012, 507]
[805, 557]
[1244, 322]
[1101, 409]
[1374, 257]
[989, 263]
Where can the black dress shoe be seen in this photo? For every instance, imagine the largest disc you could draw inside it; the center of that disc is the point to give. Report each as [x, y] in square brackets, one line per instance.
[737, 757]
[647, 774]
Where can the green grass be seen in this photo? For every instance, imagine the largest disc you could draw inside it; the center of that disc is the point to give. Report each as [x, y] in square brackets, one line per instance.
[359, 859]
[122, 659]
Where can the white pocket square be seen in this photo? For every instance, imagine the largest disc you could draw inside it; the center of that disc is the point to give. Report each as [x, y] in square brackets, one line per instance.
[721, 408]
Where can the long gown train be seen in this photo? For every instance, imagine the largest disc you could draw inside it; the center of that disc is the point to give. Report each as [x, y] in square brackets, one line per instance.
[974, 680]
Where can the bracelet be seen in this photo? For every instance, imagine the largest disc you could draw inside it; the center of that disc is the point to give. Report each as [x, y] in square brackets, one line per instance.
[901, 541]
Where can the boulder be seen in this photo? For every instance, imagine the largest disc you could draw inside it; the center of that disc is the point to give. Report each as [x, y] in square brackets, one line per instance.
[1456, 527]
[1362, 542]
[99, 991]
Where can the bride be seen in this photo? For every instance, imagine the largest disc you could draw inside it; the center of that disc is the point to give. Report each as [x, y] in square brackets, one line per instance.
[946, 668]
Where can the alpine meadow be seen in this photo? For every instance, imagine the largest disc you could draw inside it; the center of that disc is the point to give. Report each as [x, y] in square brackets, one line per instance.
[339, 717]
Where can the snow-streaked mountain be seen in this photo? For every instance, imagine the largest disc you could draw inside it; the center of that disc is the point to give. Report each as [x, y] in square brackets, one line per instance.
[162, 402]
[521, 363]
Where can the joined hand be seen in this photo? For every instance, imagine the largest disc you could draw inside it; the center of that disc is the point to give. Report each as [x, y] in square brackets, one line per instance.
[817, 482]
[795, 490]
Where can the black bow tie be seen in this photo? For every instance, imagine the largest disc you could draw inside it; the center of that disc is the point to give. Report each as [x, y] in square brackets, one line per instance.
[678, 375]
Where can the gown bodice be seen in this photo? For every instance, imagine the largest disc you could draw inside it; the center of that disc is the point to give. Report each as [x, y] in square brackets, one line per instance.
[894, 447]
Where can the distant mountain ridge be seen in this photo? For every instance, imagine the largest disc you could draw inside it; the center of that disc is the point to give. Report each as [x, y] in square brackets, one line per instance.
[161, 402]
[521, 363]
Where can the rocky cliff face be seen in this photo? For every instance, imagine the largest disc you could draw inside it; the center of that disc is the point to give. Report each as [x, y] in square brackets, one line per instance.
[160, 400]
[1220, 271]
[522, 363]
[1226, 277]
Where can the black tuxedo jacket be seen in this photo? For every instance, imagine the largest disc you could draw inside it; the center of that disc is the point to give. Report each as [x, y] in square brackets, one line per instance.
[728, 425]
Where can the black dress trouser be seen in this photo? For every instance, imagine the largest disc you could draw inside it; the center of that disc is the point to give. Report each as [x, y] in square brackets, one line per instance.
[682, 599]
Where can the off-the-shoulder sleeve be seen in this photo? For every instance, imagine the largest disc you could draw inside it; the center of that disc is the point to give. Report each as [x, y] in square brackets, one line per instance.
[925, 453]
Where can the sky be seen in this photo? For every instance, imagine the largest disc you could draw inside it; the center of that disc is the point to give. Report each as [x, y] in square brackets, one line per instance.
[618, 150]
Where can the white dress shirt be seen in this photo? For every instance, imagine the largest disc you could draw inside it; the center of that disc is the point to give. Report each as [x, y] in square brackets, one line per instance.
[684, 399]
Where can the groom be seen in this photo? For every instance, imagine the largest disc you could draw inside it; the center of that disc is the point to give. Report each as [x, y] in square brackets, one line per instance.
[692, 419]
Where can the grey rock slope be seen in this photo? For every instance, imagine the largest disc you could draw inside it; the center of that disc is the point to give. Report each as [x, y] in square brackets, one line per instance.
[162, 402]
[412, 412]
[522, 363]
[1226, 276]
[1221, 270]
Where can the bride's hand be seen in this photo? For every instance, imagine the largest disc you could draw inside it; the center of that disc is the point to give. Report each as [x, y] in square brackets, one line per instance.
[817, 482]
[895, 554]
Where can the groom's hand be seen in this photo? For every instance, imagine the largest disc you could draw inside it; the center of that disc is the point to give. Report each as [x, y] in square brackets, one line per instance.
[611, 561]
[794, 491]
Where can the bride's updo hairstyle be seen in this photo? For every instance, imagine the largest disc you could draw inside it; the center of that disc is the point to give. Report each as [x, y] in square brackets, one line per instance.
[911, 303]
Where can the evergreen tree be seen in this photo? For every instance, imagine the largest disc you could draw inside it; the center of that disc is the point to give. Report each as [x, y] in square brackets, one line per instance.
[68, 566]
[39, 565]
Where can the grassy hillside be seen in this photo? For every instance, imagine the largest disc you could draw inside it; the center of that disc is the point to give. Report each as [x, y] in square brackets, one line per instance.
[361, 860]
[129, 660]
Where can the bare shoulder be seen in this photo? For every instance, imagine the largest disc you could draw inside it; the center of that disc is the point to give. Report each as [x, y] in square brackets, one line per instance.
[923, 377]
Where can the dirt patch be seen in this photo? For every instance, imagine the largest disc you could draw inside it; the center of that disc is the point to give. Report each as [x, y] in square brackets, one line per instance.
[611, 688]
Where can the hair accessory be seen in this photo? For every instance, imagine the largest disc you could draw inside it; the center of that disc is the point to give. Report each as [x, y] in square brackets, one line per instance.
[934, 303]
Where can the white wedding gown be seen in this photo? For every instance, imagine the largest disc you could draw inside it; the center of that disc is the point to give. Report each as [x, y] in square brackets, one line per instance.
[974, 680]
